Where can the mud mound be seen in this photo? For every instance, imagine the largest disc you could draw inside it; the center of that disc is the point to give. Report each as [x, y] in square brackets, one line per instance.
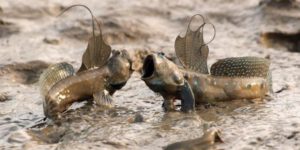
[280, 25]
[25, 73]
[7, 28]
[115, 30]
[4, 97]
[277, 40]
[29, 12]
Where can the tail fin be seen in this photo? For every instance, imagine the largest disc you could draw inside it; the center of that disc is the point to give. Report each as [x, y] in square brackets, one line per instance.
[53, 74]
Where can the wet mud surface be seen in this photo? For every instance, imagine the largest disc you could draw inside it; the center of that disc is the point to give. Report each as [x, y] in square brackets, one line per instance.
[33, 38]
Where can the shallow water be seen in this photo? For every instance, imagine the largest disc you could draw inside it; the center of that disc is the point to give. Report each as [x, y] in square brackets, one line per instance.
[143, 25]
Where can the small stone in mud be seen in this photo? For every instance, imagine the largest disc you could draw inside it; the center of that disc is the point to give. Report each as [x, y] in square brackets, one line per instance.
[53, 41]
[136, 119]
[4, 97]
[292, 135]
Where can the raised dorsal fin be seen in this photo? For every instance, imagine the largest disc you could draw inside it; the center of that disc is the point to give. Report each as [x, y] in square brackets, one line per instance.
[97, 51]
[241, 67]
[191, 49]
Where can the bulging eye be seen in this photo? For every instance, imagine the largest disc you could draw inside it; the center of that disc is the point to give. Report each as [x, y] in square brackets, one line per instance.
[161, 54]
[116, 52]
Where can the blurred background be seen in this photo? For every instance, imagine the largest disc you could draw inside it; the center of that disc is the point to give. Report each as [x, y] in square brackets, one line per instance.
[32, 37]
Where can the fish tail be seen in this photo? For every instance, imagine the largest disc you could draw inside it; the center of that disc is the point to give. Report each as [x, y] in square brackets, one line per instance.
[53, 74]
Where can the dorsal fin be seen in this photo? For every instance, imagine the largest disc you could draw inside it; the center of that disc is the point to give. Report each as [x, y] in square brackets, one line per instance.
[95, 55]
[191, 49]
[97, 51]
[241, 67]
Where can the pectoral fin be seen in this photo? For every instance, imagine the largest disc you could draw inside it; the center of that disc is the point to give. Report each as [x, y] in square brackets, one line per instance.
[103, 99]
[187, 98]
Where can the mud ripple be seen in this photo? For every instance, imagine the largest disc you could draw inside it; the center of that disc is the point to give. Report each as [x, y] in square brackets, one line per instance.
[115, 30]
[28, 12]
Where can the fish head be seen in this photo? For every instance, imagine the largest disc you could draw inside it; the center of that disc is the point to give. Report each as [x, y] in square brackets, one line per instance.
[164, 77]
[160, 74]
[120, 66]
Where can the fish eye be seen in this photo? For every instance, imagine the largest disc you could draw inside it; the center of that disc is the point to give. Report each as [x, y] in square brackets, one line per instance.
[116, 52]
[161, 54]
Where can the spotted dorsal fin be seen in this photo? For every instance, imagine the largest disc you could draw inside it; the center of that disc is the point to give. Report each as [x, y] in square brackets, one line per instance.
[191, 49]
[241, 67]
[97, 51]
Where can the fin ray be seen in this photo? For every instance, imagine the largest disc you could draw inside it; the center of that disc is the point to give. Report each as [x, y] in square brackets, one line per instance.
[102, 98]
[192, 51]
[96, 54]
[53, 74]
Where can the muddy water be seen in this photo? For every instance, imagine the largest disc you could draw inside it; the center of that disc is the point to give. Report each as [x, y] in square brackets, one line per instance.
[138, 121]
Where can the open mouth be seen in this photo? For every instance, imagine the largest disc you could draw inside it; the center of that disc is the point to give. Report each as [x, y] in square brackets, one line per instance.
[148, 67]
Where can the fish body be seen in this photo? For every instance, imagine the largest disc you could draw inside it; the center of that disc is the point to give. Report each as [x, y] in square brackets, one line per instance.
[85, 84]
[164, 77]
[229, 78]
[103, 71]
[74, 88]
[208, 88]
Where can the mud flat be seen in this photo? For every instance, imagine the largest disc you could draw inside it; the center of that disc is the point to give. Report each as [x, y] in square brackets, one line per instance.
[31, 33]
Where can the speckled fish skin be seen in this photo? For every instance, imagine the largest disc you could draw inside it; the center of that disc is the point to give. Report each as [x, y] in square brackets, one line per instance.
[241, 67]
[206, 88]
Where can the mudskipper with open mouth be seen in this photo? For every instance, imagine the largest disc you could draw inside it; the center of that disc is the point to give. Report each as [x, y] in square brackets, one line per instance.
[229, 79]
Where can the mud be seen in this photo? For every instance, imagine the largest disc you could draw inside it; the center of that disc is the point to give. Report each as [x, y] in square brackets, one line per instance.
[4, 97]
[138, 121]
[25, 73]
[7, 28]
